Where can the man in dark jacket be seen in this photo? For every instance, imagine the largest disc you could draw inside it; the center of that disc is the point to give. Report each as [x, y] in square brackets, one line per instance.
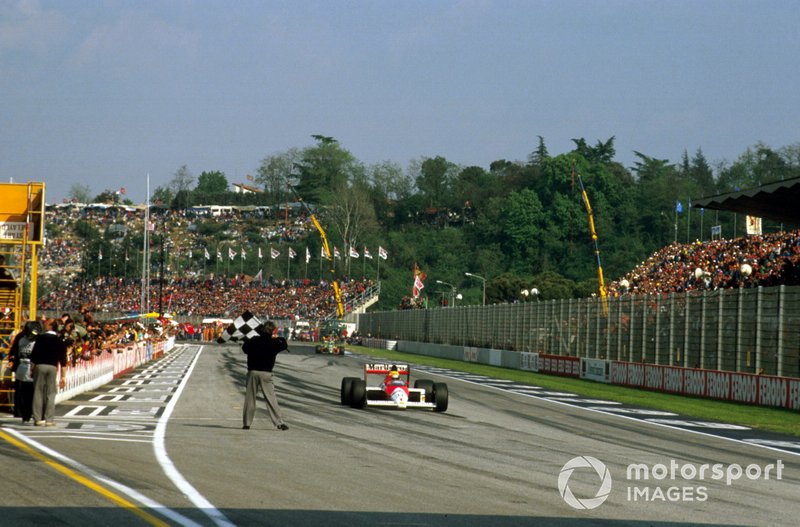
[261, 352]
[48, 353]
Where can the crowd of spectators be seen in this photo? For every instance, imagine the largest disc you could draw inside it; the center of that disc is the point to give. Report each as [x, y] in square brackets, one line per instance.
[218, 297]
[749, 261]
[188, 292]
[87, 338]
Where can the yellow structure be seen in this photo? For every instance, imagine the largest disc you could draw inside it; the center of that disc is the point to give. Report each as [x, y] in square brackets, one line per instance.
[21, 234]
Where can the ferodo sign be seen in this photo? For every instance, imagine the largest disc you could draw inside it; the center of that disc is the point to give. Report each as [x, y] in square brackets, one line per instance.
[763, 390]
[772, 391]
[794, 395]
[744, 388]
[557, 365]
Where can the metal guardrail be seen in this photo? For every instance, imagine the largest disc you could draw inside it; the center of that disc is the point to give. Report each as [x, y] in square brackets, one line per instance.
[742, 330]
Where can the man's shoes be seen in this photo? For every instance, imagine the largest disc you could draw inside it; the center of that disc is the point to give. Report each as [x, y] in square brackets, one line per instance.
[245, 427]
[39, 423]
[283, 427]
[50, 423]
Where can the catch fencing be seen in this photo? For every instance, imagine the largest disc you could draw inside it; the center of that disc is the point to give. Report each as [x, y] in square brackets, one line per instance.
[754, 330]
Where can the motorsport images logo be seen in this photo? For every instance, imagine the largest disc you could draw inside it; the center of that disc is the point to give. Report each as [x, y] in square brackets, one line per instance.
[602, 492]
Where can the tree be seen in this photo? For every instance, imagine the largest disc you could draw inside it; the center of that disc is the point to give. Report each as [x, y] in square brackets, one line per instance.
[79, 192]
[182, 180]
[538, 156]
[600, 153]
[521, 224]
[162, 195]
[701, 175]
[212, 183]
[352, 214]
[107, 196]
[324, 168]
[434, 179]
[473, 187]
[276, 171]
[387, 184]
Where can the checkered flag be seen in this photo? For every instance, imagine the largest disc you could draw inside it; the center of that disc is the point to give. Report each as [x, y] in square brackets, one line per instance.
[243, 328]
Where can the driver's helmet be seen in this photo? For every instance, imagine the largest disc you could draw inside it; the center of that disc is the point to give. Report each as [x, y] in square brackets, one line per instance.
[394, 373]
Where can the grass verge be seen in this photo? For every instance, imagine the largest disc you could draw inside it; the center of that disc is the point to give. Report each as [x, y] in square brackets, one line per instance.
[757, 417]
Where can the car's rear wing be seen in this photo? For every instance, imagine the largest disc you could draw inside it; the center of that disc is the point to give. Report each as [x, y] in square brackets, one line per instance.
[380, 368]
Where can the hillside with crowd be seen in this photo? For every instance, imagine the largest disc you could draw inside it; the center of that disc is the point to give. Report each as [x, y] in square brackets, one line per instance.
[748, 261]
[198, 280]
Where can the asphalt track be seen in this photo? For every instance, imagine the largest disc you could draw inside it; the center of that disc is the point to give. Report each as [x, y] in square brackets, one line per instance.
[164, 446]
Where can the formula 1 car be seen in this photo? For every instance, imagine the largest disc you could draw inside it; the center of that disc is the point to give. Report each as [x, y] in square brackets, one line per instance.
[394, 391]
[329, 346]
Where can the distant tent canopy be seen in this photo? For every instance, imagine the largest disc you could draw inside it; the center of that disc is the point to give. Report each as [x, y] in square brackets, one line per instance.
[775, 201]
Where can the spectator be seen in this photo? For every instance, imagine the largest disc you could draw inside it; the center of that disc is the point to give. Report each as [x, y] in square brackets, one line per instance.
[19, 359]
[48, 353]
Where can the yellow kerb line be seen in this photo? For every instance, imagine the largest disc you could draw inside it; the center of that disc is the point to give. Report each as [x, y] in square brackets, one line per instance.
[119, 500]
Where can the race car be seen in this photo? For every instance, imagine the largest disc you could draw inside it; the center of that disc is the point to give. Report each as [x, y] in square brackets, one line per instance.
[394, 391]
[330, 346]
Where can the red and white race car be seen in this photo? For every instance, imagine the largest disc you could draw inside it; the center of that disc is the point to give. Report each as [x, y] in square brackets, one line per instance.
[394, 391]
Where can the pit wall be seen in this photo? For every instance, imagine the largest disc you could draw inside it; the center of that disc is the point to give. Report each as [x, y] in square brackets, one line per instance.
[90, 375]
[761, 390]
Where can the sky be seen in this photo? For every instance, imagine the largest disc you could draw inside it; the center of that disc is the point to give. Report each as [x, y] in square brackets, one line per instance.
[106, 93]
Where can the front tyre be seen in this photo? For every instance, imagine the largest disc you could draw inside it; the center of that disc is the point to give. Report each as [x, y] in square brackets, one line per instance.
[441, 396]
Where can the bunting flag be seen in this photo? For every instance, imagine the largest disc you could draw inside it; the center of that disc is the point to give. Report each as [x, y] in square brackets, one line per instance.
[336, 252]
[353, 252]
[292, 254]
[419, 278]
[366, 253]
[244, 254]
[308, 255]
[382, 253]
[219, 255]
[259, 276]
[260, 256]
[231, 254]
[274, 253]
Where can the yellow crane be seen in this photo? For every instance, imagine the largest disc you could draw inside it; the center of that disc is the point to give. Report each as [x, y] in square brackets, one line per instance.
[593, 232]
[337, 293]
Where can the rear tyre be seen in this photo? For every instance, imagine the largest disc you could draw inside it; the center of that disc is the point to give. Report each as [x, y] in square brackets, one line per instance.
[358, 393]
[347, 384]
[441, 396]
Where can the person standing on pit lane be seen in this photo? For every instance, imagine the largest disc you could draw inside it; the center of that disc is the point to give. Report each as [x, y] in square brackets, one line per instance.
[261, 352]
[19, 359]
[49, 351]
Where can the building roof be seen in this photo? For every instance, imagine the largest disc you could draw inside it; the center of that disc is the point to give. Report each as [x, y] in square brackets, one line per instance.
[775, 201]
